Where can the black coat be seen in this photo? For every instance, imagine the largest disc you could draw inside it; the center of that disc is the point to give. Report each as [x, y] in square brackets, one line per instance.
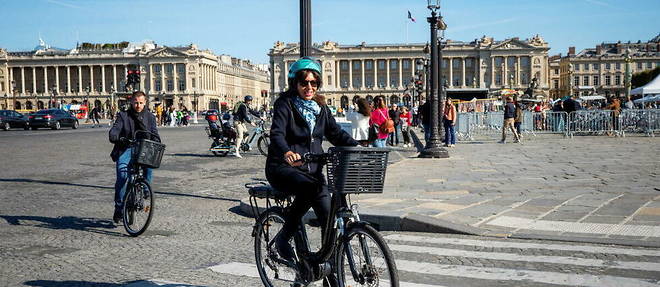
[124, 127]
[290, 132]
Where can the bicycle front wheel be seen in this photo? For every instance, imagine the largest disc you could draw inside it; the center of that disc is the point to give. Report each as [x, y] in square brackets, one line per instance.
[263, 143]
[364, 259]
[272, 270]
[138, 207]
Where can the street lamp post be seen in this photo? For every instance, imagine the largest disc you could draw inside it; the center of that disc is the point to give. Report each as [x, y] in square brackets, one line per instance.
[628, 75]
[195, 105]
[13, 95]
[305, 28]
[433, 148]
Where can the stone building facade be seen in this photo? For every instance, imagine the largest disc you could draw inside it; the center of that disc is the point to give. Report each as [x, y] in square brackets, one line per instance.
[175, 76]
[602, 70]
[469, 69]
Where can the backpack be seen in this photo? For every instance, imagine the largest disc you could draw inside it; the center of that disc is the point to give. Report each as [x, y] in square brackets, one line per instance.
[387, 126]
[236, 107]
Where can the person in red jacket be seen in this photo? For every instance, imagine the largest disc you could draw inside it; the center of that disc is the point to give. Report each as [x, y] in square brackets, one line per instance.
[406, 123]
[378, 117]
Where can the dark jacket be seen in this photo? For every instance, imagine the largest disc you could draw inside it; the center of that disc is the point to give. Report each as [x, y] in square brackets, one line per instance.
[395, 116]
[243, 113]
[509, 111]
[290, 132]
[125, 126]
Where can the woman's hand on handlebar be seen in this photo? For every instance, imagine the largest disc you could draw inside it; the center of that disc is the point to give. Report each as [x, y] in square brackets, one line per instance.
[293, 159]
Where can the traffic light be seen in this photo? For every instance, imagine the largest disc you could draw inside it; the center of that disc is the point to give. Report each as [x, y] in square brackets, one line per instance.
[133, 78]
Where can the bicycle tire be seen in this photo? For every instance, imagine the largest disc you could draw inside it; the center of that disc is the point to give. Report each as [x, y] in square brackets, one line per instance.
[365, 270]
[138, 201]
[263, 143]
[271, 272]
[218, 153]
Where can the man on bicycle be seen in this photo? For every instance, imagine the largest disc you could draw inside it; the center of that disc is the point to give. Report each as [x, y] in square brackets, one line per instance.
[241, 116]
[137, 118]
[301, 119]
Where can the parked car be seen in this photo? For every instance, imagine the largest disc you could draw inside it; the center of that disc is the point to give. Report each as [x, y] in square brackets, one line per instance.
[13, 119]
[52, 118]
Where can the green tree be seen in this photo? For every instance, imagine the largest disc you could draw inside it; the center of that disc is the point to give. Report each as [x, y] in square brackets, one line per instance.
[642, 78]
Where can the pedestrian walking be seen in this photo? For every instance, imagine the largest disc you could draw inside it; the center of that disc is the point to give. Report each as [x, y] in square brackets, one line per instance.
[509, 117]
[136, 118]
[359, 119]
[518, 119]
[449, 120]
[96, 115]
[425, 115]
[379, 117]
[406, 123]
[394, 116]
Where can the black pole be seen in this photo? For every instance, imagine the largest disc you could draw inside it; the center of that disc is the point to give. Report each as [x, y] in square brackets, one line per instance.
[433, 148]
[305, 28]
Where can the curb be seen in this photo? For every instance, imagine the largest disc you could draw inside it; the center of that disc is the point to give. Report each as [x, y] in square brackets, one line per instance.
[413, 222]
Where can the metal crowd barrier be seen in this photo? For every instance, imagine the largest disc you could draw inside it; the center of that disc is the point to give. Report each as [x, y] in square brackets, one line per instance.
[593, 122]
[646, 121]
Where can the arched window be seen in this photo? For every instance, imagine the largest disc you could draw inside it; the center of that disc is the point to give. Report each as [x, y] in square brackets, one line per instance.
[17, 106]
[28, 105]
[40, 105]
[355, 99]
[406, 100]
[370, 98]
[394, 100]
[97, 103]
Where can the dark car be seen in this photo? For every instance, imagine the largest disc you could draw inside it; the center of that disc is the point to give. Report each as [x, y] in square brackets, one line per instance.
[52, 118]
[13, 119]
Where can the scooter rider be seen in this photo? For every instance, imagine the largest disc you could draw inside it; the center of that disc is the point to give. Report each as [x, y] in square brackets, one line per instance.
[241, 117]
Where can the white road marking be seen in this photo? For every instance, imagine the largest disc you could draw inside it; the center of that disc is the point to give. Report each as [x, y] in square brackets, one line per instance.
[488, 273]
[524, 245]
[250, 270]
[564, 260]
[564, 226]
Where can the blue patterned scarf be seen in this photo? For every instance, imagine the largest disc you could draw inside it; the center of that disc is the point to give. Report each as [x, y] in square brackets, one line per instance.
[309, 109]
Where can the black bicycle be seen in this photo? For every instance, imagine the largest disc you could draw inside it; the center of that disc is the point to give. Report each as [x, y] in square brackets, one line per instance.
[352, 253]
[138, 201]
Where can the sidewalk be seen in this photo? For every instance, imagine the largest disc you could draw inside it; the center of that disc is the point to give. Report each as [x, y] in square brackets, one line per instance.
[589, 189]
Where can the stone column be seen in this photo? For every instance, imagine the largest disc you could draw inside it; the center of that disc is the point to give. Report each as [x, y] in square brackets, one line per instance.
[80, 84]
[45, 79]
[387, 74]
[22, 80]
[400, 72]
[68, 79]
[492, 71]
[362, 70]
[375, 63]
[152, 78]
[103, 90]
[518, 68]
[34, 79]
[57, 78]
[163, 85]
[505, 72]
[463, 81]
[91, 78]
[451, 72]
[115, 83]
[175, 80]
[350, 74]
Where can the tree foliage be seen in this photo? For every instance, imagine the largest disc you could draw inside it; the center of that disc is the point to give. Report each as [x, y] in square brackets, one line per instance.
[642, 78]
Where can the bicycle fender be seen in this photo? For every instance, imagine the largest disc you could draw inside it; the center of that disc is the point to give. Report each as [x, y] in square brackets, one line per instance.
[262, 215]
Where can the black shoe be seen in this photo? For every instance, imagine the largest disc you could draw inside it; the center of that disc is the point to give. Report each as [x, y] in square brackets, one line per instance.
[118, 216]
[283, 247]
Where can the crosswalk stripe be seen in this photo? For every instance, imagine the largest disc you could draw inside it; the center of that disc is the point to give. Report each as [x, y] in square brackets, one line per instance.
[524, 245]
[564, 226]
[645, 266]
[250, 270]
[490, 273]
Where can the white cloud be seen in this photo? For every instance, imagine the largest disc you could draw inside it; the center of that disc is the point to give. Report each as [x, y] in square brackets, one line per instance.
[63, 3]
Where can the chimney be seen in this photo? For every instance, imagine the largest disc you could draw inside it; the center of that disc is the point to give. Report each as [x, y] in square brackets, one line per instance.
[599, 50]
[571, 51]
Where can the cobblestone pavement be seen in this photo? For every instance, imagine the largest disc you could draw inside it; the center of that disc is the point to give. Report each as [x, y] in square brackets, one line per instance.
[593, 189]
[56, 190]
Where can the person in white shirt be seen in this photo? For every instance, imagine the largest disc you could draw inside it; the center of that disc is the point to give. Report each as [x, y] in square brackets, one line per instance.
[359, 119]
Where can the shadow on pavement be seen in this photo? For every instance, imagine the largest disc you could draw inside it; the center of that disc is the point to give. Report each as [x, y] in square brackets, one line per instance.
[192, 155]
[65, 222]
[27, 180]
[196, 196]
[71, 283]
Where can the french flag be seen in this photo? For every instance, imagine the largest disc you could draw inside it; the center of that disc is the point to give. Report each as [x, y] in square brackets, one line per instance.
[411, 17]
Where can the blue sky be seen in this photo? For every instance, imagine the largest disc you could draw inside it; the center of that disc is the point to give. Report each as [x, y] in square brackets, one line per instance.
[248, 29]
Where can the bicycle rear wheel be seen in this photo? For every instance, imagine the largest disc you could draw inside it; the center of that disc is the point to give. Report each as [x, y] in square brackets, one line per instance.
[363, 259]
[272, 270]
[138, 207]
[263, 143]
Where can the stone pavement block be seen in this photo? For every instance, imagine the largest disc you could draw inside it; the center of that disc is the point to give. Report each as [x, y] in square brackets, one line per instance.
[604, 219]
[481, 211]
[625, 238]
[550, 202]
[571, 216]
[533, 209]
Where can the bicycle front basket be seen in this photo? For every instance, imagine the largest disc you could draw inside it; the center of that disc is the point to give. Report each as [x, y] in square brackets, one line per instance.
[357, 169]
[149, 153]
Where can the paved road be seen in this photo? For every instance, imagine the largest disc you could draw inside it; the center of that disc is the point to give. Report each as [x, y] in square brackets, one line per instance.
[55, 229]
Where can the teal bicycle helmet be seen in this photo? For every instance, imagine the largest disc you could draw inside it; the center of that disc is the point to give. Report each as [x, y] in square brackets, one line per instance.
[305, 63]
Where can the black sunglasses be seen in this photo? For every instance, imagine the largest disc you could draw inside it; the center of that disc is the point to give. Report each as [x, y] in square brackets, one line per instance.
[304, 83]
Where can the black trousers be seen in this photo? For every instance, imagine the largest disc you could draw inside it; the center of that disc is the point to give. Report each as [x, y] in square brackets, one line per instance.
[309, 190]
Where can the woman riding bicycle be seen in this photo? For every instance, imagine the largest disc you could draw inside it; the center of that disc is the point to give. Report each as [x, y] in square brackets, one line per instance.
[301, 119]
[137, 118]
